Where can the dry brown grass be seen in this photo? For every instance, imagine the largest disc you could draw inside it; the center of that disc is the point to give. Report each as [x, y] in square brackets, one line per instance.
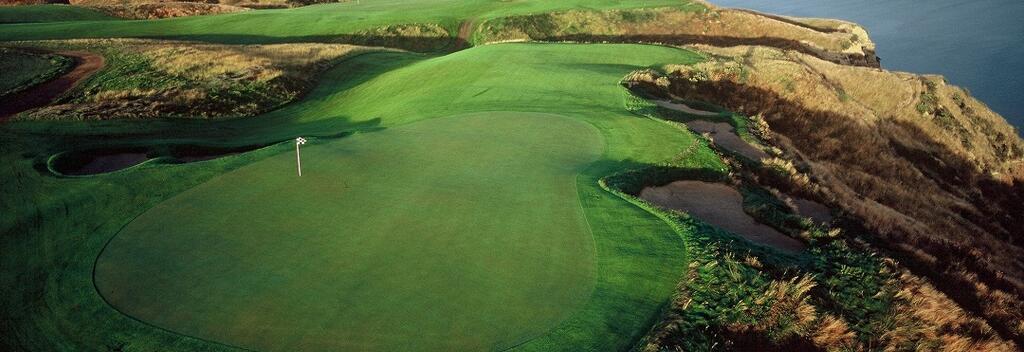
[843, 42]
[911, 156]
[260, 63]
[155, 10]
[188, 79]
[924, 318]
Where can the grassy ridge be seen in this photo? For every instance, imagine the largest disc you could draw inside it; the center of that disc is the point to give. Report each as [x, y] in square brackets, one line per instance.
[20, 70]
[639, 259]
[311, 22]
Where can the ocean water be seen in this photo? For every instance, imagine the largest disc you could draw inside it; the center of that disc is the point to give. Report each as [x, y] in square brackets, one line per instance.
[978, 45]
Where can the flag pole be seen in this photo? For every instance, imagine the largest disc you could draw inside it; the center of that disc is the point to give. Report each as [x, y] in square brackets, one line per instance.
[298, 158]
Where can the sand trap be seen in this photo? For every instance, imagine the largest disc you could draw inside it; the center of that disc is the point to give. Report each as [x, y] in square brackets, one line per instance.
[725, 136]
[683, 108]
[103, 163]
[811, 209]
[719, 205]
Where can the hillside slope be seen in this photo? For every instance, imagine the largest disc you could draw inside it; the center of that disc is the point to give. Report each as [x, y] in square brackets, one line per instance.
[935, 173]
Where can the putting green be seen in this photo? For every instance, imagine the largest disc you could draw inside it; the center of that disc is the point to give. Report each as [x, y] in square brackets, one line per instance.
[457, 233]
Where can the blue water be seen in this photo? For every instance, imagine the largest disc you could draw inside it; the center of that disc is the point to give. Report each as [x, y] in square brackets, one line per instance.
[978, 45]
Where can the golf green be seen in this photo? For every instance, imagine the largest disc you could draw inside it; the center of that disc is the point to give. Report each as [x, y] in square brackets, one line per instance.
[455, 233]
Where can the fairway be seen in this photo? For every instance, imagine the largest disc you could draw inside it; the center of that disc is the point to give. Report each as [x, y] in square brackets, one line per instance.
[449, 234]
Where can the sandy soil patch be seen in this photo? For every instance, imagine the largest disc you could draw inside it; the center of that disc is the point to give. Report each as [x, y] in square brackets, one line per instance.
[719, 205]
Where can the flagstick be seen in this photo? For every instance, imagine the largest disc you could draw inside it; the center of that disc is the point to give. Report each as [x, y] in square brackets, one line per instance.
[298, 159]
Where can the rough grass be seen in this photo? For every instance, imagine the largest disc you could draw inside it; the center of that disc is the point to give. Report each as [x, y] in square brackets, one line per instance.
[147, 79]
[149, 11]
[20, 69]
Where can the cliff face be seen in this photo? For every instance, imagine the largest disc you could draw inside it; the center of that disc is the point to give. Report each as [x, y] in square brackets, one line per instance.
[931, 170]
[831, 40]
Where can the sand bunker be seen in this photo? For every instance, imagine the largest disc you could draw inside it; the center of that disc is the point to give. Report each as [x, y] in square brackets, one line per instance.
[91, 164]
[719, 205]
[725, 136]
[811, 209]
[683, 108]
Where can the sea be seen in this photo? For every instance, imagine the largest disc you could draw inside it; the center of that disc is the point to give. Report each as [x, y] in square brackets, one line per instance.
[978, 45]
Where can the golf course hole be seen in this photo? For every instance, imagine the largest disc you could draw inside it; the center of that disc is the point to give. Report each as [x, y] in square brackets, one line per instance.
[455, 233]
[719, 205]
[97, 161]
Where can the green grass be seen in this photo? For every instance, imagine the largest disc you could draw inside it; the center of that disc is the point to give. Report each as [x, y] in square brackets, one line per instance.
[58, 226]
[20, 70]
[311, 22]
[448, 234]
[49, 13]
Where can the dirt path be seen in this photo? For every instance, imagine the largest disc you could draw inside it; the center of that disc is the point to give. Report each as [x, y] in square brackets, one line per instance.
[86, 64]
[721, 206]
[465, 31]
